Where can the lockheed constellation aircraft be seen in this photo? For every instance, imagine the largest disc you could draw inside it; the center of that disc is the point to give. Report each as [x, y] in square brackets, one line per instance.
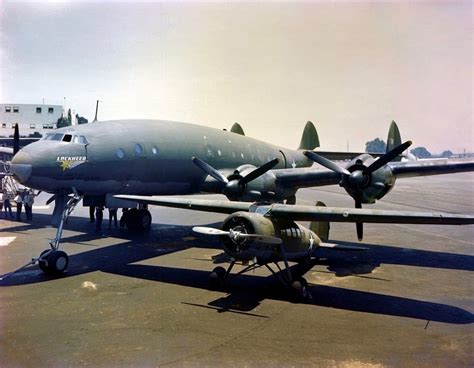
[119, 163]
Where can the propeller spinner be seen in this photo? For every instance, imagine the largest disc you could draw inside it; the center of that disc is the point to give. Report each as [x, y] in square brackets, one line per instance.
[357, 178]
[234, 185]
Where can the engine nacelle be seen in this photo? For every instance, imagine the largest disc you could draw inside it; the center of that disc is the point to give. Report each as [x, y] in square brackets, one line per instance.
[297, 239]
[368, 187]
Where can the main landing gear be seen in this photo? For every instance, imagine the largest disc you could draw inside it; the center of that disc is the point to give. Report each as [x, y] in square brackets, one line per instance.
[137, 219]
[298, 287]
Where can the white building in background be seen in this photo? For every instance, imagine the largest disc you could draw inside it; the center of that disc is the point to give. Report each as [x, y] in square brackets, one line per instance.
[31, 118]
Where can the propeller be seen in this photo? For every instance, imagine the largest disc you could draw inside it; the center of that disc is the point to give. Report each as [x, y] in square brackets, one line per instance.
[16, 140]
[360, 176]
[235, 184]
[385, 159]
[237, 235]
[359, 225]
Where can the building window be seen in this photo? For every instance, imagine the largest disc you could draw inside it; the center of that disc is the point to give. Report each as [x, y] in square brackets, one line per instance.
[32, 126]
[13, 125]
[50, 110]
[45, 126]
[16, 109]
[4, 125]
[38, 110]
[8, 109]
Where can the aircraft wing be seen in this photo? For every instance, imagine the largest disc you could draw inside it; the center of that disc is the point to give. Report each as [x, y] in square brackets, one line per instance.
[313, 177]
[422, 168]
[306, 177]
[341, 156]
[195, 204]
[307, 213]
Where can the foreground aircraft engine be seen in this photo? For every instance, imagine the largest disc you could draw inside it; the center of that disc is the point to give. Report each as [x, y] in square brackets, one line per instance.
[251, 236]
[364, 179]
[247, 182]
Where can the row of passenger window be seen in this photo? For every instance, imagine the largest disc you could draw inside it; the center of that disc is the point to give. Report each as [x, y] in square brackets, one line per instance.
[138, 151]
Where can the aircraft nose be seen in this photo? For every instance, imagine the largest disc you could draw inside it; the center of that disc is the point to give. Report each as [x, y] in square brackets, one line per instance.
[20, 166]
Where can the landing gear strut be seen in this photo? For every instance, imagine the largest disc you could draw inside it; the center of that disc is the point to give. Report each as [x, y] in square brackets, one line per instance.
[297, 286]
[53, 261]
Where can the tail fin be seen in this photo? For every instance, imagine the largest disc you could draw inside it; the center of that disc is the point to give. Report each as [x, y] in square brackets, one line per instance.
[236, 128]
[321, 228]
[393, 139]
[309, 139]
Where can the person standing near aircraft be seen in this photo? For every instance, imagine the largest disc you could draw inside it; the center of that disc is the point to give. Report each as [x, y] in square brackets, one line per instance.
[19, 203]
[29, 199]
[99, 215]
[7, 206]
[91, 214]
[112, 216]
[123, 218]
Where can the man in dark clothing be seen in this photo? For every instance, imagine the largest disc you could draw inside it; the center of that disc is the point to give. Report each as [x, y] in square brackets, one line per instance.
[91, 214]
[99, 215]
[112, 216]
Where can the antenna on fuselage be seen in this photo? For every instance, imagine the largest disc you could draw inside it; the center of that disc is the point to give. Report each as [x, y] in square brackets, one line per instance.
[96, 110]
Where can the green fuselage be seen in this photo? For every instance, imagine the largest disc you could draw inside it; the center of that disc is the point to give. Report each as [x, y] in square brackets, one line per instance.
[141, 157]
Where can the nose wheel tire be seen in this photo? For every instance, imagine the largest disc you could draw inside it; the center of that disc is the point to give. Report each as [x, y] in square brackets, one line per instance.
[216, 278]
[54, 263]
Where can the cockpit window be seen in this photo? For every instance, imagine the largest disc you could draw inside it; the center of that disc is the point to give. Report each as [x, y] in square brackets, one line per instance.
[67, 138]
[57, 137]
[83, 140]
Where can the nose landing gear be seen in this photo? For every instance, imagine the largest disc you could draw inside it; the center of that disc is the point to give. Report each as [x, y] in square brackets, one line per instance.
[53, 261]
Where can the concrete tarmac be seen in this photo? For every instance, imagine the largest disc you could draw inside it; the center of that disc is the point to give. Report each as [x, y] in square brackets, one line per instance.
[141, 300]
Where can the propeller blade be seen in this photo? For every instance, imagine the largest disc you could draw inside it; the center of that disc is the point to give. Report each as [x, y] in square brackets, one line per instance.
[210, 170]
[16, 140]
[209, 231]
[236, 234]
[262, 238]
[328, 164]
[385, 159]
[259, 171]
[52, 198]
[359, 225]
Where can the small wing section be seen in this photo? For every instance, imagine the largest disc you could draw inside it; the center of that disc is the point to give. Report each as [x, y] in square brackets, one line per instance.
[341, 247]
[335, 214]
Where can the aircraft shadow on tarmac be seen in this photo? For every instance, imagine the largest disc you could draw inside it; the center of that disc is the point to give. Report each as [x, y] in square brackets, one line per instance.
[246, 292]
